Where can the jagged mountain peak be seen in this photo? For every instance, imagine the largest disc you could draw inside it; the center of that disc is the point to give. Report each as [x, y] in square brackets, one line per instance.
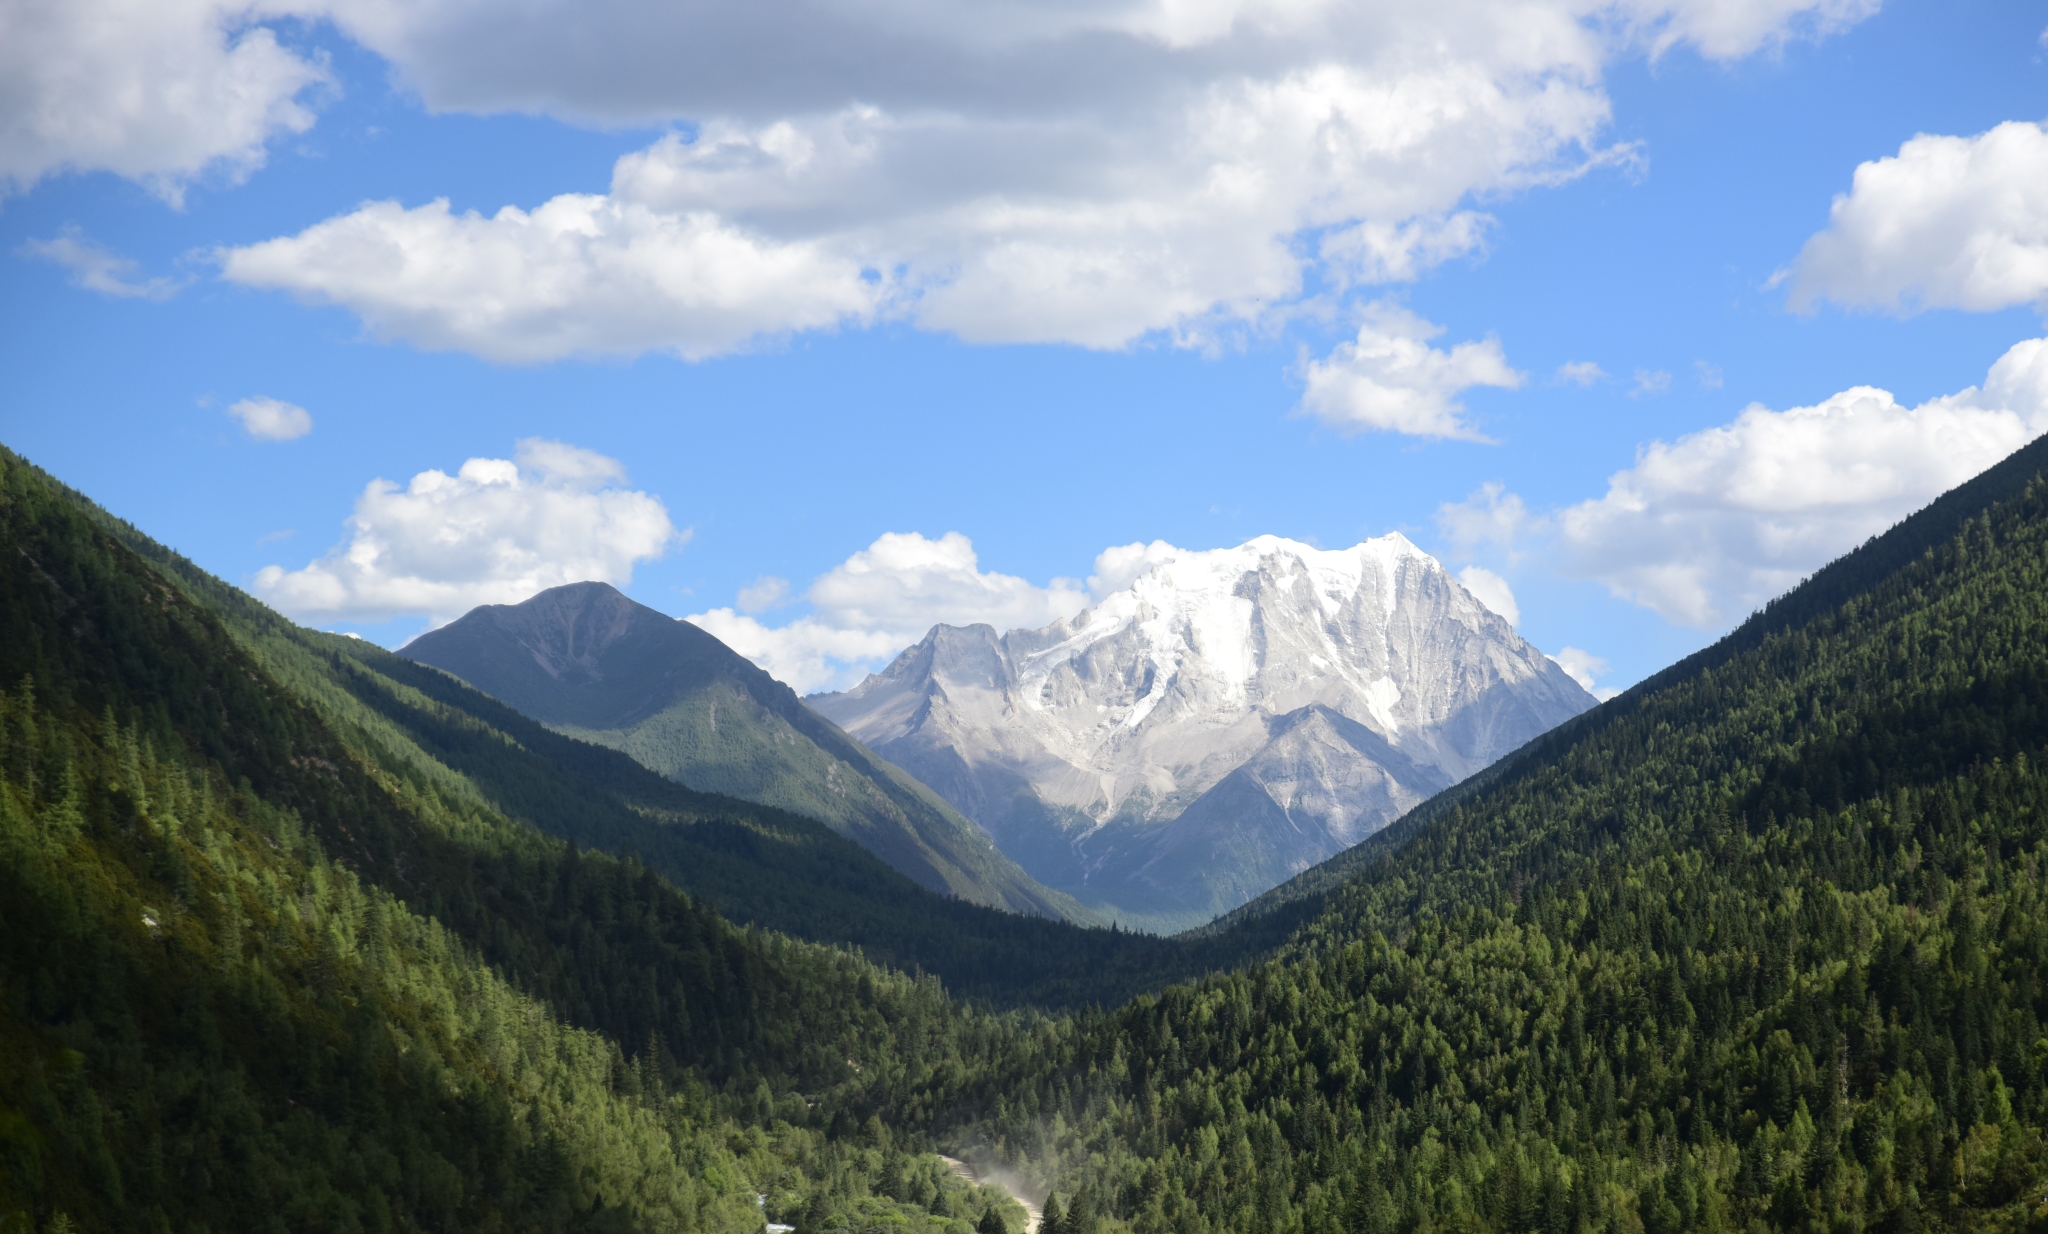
[1075, 743]
[1272, 625]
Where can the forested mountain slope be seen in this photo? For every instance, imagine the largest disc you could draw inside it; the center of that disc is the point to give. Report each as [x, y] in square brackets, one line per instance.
[594, 664]
[759, 865]
[1830, 588]
[267, 964]
[756, 864]
[1762, 946]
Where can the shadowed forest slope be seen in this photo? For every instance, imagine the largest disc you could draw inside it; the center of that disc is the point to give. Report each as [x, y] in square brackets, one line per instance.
[269, 964]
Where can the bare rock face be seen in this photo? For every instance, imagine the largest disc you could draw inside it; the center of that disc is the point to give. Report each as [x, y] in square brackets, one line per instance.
[1229, 719]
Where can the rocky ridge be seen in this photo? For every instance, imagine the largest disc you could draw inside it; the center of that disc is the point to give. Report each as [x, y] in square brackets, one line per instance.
[1225, 721]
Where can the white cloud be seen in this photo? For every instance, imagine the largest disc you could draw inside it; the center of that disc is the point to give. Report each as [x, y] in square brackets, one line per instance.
[1704, 529]
[582, 275]
[1490, 516]
[1002, 171]
[270, 419]
[807, 655]
[1118, 567]
[1580, 372]
[97, 268]
[1710, 375]
[1493, 591]
[160, 91]
[1377, 252]
[904, 581]
[881, 600]
[1584, 667]
[1948, 222]
[638, 63]
[1391, 379]
[1729, 29]
[495, 532]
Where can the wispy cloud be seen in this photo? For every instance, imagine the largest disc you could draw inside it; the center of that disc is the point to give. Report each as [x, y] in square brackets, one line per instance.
[97, 268]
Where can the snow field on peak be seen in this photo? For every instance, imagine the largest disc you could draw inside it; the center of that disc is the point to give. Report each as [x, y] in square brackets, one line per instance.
[1191, 615]
[1302, 697]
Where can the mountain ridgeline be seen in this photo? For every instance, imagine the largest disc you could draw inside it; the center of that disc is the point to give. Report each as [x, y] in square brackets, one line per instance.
[292, 940]
[1225, 721]
[588, 662]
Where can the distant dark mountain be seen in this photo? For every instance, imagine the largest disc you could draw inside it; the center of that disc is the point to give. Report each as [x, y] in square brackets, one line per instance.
[590, 663]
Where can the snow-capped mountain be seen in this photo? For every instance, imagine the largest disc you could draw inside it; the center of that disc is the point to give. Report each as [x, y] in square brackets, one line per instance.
[1228, 719]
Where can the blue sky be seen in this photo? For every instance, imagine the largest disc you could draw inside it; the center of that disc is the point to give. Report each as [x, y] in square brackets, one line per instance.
[1066, 281]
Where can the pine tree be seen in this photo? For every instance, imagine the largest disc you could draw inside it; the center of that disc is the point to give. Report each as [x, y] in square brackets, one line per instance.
[1053, 1219]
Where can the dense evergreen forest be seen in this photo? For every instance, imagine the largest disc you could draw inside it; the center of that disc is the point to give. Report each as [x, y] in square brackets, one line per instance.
[297, 938]
[1761, 945]
[269, 965]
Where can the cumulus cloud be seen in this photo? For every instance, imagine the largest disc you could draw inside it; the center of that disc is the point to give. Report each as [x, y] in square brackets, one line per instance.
[495, 532]
[1121, 565]
[807, 654]
[97, 268]
[884, 598]
[1704, 529]
[1948, 222]
[270, 419]
[638, 63]
[1391, 379]
[1584, 667]
[998, 170]
[1493, 591]
[1580, 372]
[160, 91]
[904, 581]
[1001, 171]
[582, 275]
